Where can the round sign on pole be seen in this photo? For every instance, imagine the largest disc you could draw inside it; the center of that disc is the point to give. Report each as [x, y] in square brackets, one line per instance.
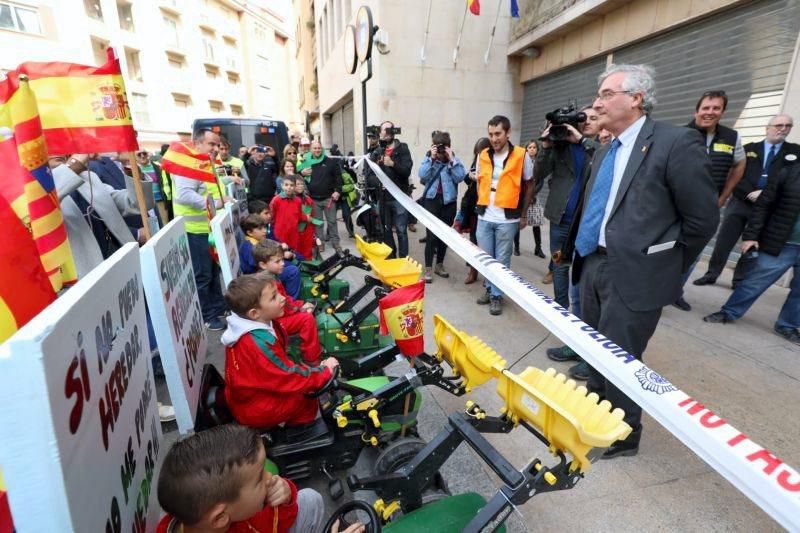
[364, 33]
[350, 55]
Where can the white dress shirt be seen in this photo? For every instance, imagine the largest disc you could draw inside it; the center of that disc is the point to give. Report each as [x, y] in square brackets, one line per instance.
[627, 139]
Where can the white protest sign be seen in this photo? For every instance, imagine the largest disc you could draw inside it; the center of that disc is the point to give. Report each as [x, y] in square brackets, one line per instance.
[81, 435]
[224, 234]
[169, 285]
[760, 475]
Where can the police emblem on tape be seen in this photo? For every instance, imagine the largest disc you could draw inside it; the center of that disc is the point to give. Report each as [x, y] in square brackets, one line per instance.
[652, 381]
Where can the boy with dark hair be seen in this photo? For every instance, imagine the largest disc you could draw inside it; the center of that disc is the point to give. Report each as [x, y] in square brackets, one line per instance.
[298, 317]
[287, 214]
[264, 387]
[216, 481]
[254, 231]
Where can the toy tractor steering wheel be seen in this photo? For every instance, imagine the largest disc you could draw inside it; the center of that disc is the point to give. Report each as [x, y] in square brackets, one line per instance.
[329, 385]
[373, 526]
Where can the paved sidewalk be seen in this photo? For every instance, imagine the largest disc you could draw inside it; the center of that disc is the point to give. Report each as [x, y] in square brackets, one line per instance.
[743, 372]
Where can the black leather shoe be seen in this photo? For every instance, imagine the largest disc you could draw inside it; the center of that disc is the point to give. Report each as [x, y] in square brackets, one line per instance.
[707, 279]
[682, 304]
[720, 317]
[625, 448]
[790, 334]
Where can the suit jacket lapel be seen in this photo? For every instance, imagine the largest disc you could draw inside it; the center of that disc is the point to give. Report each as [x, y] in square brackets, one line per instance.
[640, 149]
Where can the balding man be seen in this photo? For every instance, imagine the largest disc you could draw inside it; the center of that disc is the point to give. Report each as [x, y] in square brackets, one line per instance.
[765, 159]
[324, 183]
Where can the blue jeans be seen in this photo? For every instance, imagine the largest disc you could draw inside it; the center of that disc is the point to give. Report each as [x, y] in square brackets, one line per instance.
[207, 277]
[395, 215]
[575, 299]
[497, 240]
[290, 277]
[558, 234]
[767, 270]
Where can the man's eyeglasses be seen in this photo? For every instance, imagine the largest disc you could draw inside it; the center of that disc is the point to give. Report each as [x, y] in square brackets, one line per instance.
[609, 94]
[781, 126]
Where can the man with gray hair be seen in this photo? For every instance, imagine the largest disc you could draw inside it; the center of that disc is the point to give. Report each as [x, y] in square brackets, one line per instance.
[649, 208]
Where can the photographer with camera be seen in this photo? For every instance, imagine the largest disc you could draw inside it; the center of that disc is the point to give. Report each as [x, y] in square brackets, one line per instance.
[568, 143]
[441, 172]
[394, 158]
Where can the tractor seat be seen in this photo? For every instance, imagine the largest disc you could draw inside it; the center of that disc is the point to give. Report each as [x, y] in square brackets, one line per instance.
[293, 439]
[450, 515]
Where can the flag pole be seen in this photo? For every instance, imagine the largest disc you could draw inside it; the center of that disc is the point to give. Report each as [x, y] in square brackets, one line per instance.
[460, 33]
[216, 178]
[137, 185]
[491, 39]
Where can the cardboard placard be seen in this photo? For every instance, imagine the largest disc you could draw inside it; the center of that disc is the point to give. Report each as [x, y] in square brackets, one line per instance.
[224, 233]
[76, 386]
[171, 292]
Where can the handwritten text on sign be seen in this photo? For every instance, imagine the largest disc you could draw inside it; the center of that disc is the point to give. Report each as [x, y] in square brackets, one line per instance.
[177, 318]
[94, 453]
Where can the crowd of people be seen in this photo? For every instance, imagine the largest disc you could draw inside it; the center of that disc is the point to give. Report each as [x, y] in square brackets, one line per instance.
[631, 204]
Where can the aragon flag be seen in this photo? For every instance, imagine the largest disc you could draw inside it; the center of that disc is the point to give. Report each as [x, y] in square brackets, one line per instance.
[183, 160]
[29, 191]
[474, 6]
[83, 109]
[402, 316]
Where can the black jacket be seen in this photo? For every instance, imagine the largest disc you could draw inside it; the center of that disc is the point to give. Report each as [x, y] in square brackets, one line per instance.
[776, 211]
[400, 172]
[262, 178]
[720, 151]
[326, 178]
[666, 195]
[754, 153]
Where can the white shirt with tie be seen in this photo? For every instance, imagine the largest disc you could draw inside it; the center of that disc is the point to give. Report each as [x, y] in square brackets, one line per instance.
[627, 139]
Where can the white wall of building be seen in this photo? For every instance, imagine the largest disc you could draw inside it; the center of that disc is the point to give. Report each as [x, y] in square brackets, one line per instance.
[434, 95]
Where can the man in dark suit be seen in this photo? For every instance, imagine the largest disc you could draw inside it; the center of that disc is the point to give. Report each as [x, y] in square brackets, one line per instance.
[649, 208]
[765, 159]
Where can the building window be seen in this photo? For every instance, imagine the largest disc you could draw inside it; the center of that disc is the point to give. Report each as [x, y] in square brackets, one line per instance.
[233, 80]
[125, 11]
[214, 106]
[231, 53]
[208, 45]
[18, 18]
[237, 111]
[140, 112]
[99, 51]
[134, 67]
[93, 9]
[181, 101]
[212, 74]
[172, 31]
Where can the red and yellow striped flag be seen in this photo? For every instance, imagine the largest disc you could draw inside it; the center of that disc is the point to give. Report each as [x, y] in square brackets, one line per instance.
[183, 160]
[27, 184]
[402, 316]
[474, 6]
[83, 109]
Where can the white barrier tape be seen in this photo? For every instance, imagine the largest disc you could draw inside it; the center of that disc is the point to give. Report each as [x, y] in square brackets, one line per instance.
[761, 476]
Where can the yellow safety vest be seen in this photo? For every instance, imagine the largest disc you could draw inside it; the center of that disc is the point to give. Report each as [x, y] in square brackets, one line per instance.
[196, 220]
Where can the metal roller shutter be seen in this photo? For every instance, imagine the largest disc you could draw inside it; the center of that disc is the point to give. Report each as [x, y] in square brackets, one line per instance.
[348, 127]
[745, 51]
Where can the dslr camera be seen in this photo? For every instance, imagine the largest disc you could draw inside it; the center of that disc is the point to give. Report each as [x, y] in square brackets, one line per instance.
[558, 119]
[375, 131]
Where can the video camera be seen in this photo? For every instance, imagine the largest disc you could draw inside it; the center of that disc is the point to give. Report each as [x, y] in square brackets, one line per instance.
[558, 119]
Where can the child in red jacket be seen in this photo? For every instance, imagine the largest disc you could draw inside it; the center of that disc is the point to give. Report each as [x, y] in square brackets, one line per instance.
[264, 387]
[298, 317]
[216, 480]
[287, 214]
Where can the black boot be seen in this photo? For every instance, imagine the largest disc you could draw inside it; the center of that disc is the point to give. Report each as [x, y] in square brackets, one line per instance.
[625, 448]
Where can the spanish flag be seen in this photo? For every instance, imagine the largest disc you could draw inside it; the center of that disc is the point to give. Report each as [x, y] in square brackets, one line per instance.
[183, 160]
[6, 525]
[474, 6]
[402, 316]
[28, 187]
[83, 109]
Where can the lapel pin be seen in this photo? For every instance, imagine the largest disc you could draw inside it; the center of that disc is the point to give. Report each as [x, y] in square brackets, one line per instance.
[644, 148]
